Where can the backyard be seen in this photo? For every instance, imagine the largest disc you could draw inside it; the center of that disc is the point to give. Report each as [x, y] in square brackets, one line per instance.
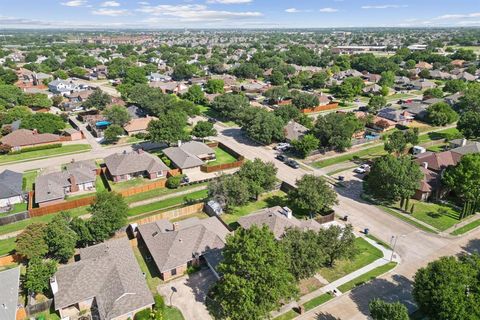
[136, 182]
[29, 179]
[222, 157]
[46, 153]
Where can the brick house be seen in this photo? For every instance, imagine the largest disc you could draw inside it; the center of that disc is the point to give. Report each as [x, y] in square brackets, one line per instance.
[126, 166]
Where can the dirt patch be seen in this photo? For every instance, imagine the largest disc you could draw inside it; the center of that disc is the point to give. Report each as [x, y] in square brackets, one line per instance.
[309, 285]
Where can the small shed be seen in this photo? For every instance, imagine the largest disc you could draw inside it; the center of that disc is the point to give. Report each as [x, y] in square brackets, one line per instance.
[213, 208]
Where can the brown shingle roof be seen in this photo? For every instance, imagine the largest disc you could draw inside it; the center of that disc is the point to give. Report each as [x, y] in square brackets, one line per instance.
[126, 163]
[25, 137]
[437, 161]
[138, 124]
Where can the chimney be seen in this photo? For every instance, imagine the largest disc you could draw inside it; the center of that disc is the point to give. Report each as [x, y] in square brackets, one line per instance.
[464, 142]
[54, 284]
[35, 131]
[287, 212]
[425, 165]
[73, 182]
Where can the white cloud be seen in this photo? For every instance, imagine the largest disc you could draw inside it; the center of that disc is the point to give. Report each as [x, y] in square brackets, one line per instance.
[197, 13]
[74, 3]
[144, 3]
[295, 10]
[229, 1]
[328, 10]
[386, 6]
[110, 12]
[110, 4]
[458, 16]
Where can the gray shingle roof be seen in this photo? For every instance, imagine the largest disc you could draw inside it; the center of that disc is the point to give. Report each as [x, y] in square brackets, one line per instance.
[126, 163]
[294, 130]
[10, 184]
[276, 221]
[10, 280]
[171, 249]
[186, 155]
[110, 273]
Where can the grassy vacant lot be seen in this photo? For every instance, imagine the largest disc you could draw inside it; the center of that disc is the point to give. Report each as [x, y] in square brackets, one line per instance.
[469, 226]
[439, 216]
[266, 200]
[29, 179]
[167, 203]
[222, 157]
[366, 255]
[364, 278]
[160, 192]
[47, 153]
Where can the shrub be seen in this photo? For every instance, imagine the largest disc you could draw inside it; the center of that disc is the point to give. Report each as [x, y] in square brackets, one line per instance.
[142, 315]
[159, 302]
[167, 161]
[174, 182]
[36, 148]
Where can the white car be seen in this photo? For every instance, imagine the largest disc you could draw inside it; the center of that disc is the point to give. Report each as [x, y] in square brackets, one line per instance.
[365, 167]
[359, 170]
[282, 146]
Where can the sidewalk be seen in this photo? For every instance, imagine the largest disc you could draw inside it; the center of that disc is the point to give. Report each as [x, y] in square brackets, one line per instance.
[387, 253]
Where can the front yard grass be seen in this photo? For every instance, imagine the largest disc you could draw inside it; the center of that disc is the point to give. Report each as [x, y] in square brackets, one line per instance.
[366, 277]
[168, 203]
[469, 226]
[172, 313]
[222, 157]
[46, 153]
[439, 216]
[315, 302]
[366, 255]
[364, 153]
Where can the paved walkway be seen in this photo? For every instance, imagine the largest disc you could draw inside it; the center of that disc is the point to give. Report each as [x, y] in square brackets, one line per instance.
[387, 255]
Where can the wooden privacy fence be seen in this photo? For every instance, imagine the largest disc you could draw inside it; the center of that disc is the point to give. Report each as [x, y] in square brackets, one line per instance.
[62, 206]
[38, 307]
[172, 214]
[326, 107]
[154, 185]
[220, 167]
[9, 260]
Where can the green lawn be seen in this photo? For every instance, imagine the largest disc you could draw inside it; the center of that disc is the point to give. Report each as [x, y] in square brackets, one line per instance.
[6, 246]
[365, 153]
[266, 200]
[99, 184]
[437, 148]
[439, 135]
[29, 179]
[222, 157]
[436, 215]
[398, 96]
[367, 277]
[148, 267]
[289, 315]
[167, 203]
[469, 226]
[136, 182]
[315, 302]
[160, 192]
[366, 255]
[378, 241]
[47, 153]
[406, 219]
[19, 207]
[172, 313]
[12, 227]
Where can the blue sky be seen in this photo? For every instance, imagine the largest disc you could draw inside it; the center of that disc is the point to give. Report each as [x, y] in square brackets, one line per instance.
[237, 13]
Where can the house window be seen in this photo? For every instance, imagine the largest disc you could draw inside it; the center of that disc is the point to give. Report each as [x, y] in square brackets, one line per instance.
[174, 272]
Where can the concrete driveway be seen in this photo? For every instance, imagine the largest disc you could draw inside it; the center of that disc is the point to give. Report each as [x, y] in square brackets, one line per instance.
[189, 295]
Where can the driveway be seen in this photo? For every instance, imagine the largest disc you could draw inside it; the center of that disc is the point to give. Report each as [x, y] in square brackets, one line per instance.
[189, 295]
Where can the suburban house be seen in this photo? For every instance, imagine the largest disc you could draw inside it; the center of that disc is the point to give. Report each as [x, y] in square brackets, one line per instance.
[129, 165]
[423, 84]
[175, 247]
[11, 191]
[22, 138]
[138, 125]
[433, 164]
[424, 65]
[189, 156]
[156, 77]
[278, 220]
[417, 109]
[294, 131]
[51, 188]
[171, 87]
[61, 86]
[106, 283]
[10, 280]
[401, 117]
[372, 89]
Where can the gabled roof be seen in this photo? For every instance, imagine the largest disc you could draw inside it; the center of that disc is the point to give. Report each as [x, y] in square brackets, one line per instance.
[10, 184]
[294, 130]
[139, 161]
[171, 248]
[186, 155]
[107, 272]
[25, 137]
[436, 161]
[10, 280]
[138, 124]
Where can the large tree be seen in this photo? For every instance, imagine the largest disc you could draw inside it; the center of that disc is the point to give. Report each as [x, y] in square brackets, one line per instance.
[469, 124]
[259, 176]
[10, 96]
[60, 238]
[113, 133]
[39, 272]
[303, 100]
[349, 89]
[204, 129]
[117, 114]
[229, 191]
[43, 122]
[335, 130]
[170, 128]
[109, 214]
[305, 145]
[31, 242]
[376, 103]
[195, 94]
[337, 243]
[471, 98]
[313, 195]
[256, 277]
[230, 105]
[464, 180]
[381, 310]
[276, 94]
[393, 178]
[38, 100]
[98, 99]
[264, 126]
[215, 86]
[304, 252]
[448, 288]
[441, 114]
[398, 141]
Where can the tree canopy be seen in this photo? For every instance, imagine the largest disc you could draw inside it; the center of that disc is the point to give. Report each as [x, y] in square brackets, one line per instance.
[381, 310]
[335, 130]
[170, 128]
[441, 114]
[109, 214]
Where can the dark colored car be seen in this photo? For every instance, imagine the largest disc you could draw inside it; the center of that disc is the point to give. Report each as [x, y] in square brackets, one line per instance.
[292, 163]
[281, 157]
[212, 120]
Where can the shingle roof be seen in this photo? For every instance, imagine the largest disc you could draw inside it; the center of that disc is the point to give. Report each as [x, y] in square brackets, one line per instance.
[436, 161]
[10, 280]
[186, 155]
[10, 184]
[126, 163]
[294, 130]
[276, 221]
[110, 273]
[24, 137]
[138, 124]
[171, 249]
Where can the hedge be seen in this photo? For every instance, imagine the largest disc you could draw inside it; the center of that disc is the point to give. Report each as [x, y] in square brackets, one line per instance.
[44, 147]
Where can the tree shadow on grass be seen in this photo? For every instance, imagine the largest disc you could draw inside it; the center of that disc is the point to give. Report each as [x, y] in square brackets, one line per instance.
[473, 246]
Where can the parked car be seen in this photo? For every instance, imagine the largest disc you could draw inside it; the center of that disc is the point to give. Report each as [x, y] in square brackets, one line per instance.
[185, 180]
[212, 120]
[341, 178]
[282, 146]
[365, 166]
[292, 163]
[281, 157]
[360, 170]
